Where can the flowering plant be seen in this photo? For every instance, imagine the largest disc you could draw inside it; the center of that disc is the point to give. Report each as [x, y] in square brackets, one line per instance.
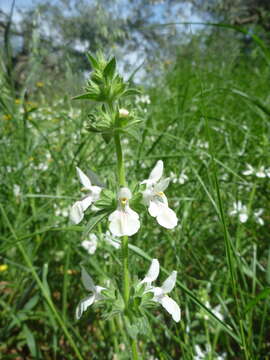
[111, 120]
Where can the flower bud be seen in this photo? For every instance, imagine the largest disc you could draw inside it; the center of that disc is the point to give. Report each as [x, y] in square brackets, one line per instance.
[123, 113]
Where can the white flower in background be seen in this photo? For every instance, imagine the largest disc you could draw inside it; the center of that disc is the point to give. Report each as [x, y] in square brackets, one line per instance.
[90, 245]
[61, 212]
[123, 113]
[173, 177]
[124, 221]
[16, 190]
[202, 144]
[202, 355]
[144, 99]
[217, 311]
[110, 239]
[90, 299]
[78, 209]
[160, 293]
[239, 210]
[249, 171]
[258, 218]
[156, 200]
[42, 166]
[199, 354]
[182, 178]
[261, 173]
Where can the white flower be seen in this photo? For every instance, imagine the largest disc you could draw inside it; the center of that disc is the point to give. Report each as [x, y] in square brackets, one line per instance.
[110, 239]
[182, 178]
[261, 172]
[124, 221]
[16, 190]
[123, 113]
[258, 218]
[144, 99]
[249, 171]
[78, 209]
[156, 200]
[239, 210]
[90, 245]
[90, 299]
[217, 311]
[160, 293]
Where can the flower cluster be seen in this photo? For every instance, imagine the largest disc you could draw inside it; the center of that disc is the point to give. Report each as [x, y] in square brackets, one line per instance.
[124, 221]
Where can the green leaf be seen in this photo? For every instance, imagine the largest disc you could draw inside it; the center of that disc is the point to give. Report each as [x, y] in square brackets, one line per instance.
[31, 303]
[93, 222]
[93, 61]
[85, 96]
[262, 295]
[107, 137]
[44, 279]
[131, 92]
[109, 70]
[30, 340]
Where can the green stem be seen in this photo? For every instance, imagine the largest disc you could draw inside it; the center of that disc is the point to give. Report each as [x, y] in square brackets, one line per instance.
[124, 243]
[134, 350]
[120, 161]
[124, 249]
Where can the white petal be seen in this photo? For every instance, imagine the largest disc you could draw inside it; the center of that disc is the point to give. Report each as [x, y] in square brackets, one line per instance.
[124, 222]
[111, 240]
[157, 172]
[99, 289]
[147, 196]
[87, 281]
[84, 179]
[83, 305]
[86, 202]
[162, 185]
[131, 212]
[152, 273]
[169, 283]
[243, 217]
[76, 213]
[167, 218]
[114, 215]
[172, 307]
[95, 190]
[154, 208]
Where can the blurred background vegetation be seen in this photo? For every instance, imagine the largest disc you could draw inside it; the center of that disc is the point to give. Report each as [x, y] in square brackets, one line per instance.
[217, 70]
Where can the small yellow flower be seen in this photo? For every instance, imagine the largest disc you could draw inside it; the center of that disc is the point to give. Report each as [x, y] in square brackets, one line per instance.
[31, 158]
[40, 84]
[17, 101]
[3, 267]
